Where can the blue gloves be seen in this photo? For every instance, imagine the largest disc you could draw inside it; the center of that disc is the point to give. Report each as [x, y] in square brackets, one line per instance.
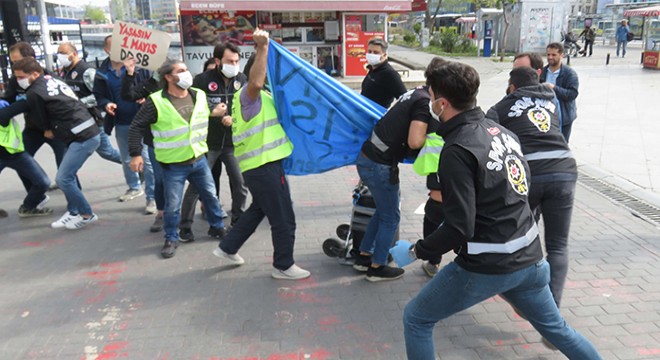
[3, 104]
[401, 253]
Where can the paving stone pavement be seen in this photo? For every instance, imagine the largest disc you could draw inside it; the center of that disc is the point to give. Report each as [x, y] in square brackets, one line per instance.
[103, 292]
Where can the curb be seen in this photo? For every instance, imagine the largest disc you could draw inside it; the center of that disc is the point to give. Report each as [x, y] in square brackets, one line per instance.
[622, 184]
[406, 63]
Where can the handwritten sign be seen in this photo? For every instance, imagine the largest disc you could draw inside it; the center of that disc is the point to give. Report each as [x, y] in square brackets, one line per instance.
[148, 47]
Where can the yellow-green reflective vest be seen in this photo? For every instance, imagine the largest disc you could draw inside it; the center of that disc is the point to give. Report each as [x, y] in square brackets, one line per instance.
[429, 157]
[260, 140]
[175, 139]
[11, 137]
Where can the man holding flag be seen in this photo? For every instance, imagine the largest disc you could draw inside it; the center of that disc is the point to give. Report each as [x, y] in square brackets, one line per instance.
[260, 144]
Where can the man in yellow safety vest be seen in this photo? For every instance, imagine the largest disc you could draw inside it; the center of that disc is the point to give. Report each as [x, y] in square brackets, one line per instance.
[177, 118]
[260, 144]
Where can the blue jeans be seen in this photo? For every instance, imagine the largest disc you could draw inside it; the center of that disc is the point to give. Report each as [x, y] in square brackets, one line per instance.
[383, 224]
[66, 179]
[158, 180]
[552, 197]
[133, 178]
[174, 178]
[191, 196]
[620, 44]
[27, 168]
[455, 289]
[106, 150]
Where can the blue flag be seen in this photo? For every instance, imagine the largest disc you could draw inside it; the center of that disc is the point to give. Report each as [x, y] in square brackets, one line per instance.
[326, 121]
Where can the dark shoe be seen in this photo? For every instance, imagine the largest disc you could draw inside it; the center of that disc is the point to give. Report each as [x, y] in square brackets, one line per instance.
[157, 225]
[169, 249]
[384, 273]
[362, 263]
[234, 220]
[3, 213]
[186, 235]
[217, 233]
[25, 212]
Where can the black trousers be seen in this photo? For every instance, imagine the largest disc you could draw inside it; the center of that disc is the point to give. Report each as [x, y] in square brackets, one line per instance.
[271, 198]
[433, 217]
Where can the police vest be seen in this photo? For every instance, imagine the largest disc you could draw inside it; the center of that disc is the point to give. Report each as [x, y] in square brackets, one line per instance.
[260, 140]
[429, 157]
[11, 137]
[75, 79]
[175, 139]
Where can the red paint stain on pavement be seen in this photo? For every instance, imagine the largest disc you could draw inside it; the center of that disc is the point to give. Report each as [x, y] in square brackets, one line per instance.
[328, 320]
[648, 351]
[43, 243]
[499, 342]
[113, 351]
[604, 283]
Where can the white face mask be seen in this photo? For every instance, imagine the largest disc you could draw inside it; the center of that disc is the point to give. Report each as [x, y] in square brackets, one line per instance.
[433, 114]
[64, 60]
[373, 59]
[185, 80]
[23, 83]
[230, 71]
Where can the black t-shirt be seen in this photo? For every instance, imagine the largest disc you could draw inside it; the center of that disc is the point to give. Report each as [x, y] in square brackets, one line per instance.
[392, 128]
[382, 84]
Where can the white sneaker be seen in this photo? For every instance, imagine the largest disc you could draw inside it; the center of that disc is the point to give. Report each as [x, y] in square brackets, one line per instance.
[292, 273]
[61, 222]
[80, 222]
[43, 202]
[131, 194]
[150, 209]
[234, 259]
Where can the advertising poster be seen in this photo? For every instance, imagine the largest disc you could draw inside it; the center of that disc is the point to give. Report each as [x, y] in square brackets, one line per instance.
[217, 27]
[148, 47]
[356, 45]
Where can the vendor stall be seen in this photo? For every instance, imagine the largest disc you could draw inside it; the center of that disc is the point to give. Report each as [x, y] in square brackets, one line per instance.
[651, 35]
[329, 34]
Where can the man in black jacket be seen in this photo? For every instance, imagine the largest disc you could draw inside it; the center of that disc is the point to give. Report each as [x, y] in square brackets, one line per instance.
[220, 85]
[80, 77]
[530, 112]
[488, 223]
[33, 137]
[382, 83]
[66, 119]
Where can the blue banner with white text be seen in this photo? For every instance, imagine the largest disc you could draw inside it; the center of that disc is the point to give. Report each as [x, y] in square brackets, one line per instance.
[326, 121]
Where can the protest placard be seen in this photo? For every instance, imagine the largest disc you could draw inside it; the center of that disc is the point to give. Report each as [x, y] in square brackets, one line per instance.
[148, 47]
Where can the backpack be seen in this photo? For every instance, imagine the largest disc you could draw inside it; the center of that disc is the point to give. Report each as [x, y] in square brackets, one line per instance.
[630, 36]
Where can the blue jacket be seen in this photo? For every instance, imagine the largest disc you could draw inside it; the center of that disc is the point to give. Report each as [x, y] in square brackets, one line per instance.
[566, 90]
[622, 33]
[105, 93]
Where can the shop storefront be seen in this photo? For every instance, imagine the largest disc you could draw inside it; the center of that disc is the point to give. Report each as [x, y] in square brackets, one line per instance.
[331, 35]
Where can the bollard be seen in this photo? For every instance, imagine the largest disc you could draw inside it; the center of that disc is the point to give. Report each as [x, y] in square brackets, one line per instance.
[568, 59]
[607, 61]
[641, 61]
[97, 62]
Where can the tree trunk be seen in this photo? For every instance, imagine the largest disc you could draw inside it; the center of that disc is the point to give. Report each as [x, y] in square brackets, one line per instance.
[506, 31]
[430, 21]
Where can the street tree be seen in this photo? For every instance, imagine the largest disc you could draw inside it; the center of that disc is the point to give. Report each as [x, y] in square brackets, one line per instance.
[95, 14]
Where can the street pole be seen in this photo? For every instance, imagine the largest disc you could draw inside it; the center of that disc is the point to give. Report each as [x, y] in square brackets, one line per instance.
[45, 34]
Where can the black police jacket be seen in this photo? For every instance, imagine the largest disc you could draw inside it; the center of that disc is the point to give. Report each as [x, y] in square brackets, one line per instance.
[485, 182]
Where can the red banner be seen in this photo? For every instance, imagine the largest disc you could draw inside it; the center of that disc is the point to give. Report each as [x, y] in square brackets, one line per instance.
[418, 5]
[651, 59]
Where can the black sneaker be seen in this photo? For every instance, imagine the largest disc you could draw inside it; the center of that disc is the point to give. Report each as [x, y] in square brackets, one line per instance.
[234, 220]
[186, 235]
[217, 233]
[384, 273]
[25, 212]
[362, 263]
[169, 249]
[3, 213]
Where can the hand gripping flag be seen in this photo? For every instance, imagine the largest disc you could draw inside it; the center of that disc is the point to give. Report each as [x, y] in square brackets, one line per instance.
[326, 121]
